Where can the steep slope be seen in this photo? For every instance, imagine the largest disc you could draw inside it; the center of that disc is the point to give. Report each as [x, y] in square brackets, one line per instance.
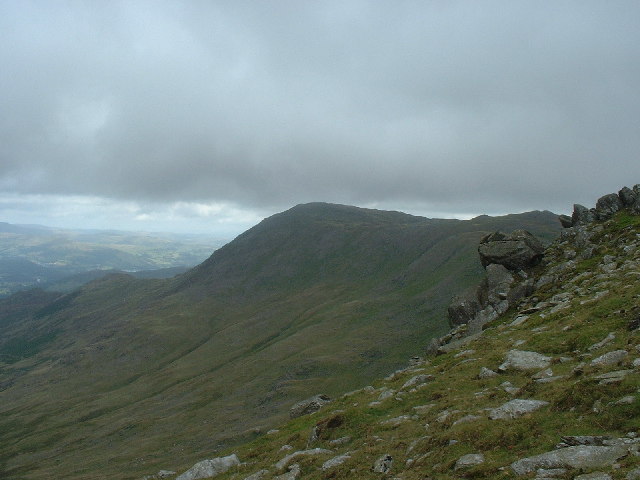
[551, 388]
[124, 373]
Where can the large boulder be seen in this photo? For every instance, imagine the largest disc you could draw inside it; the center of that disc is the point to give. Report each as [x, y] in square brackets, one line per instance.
[516, 251]
[210, 468]
[582, 215]
[607, 206]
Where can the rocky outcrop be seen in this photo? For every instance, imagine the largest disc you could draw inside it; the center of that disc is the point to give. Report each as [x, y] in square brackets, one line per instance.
[504, 257]
[518, 250]
[310, 405]
[605, 208]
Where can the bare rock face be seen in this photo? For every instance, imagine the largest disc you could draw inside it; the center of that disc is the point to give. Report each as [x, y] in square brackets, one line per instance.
[464, 307]
[310, 405]
[516, 251]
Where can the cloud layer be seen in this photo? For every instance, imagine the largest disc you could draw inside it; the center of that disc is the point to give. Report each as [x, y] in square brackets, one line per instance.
[441, 106]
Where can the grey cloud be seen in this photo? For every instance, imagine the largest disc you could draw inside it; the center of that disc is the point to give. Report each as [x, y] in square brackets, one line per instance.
[443, 104]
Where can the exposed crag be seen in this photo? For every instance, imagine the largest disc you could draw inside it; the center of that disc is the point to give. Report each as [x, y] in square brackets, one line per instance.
[540, 378]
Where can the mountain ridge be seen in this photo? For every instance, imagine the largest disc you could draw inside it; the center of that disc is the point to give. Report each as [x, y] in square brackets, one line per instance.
[550, 387]
[288, 307]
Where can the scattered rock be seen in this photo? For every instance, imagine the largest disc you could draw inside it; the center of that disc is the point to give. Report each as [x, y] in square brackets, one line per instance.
[259, 475]
[626, 400]
[301, 453]
[546, 373]
[394, 422]
[515, 408]
[612, 377]
[509, 388]
[608, 359]
[523, 360]
[582, 456]
[422, 409]
[486, 373]
[418, 380]
[608, 339]
[383, 464]
[467, 418]
[469, 460]
[292, 474]
[340, 441]
[210, 468]
[386, 394]
[593, 476]
[309, 405]
[335, 461]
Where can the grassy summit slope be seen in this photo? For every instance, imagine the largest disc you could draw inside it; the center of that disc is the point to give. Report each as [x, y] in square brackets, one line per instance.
[125, 373]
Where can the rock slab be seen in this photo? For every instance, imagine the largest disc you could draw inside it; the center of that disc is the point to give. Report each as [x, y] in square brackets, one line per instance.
[515, 408]
[523, 360]
[469, 460]
[583, 456]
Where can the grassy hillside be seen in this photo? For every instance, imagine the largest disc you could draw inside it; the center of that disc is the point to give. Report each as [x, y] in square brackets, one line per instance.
[587, 313]
[125, 373]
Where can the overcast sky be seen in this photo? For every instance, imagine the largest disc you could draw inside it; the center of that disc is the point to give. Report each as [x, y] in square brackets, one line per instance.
[210, 115]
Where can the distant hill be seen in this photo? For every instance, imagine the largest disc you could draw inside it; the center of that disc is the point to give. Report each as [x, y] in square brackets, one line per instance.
[129, 372]
[32, 255]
